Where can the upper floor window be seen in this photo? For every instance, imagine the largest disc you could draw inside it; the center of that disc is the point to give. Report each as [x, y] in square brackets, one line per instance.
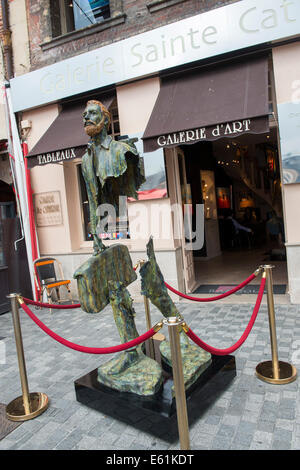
[87, 12]
[70, 15]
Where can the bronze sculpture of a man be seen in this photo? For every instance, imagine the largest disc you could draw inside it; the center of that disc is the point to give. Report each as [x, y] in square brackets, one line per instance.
[110, 168]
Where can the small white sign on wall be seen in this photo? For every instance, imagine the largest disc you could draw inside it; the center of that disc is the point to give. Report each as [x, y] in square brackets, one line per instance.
[48, 209]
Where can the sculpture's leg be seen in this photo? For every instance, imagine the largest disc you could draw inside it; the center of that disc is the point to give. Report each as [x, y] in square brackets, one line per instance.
[195, 360]
[131, 370]
[124, 314]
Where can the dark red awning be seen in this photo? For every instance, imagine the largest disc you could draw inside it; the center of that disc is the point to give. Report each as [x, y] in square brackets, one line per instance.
[65, 139]
[216, 102]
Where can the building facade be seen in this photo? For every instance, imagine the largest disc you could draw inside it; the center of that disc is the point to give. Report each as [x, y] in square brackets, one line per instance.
[14, 61]
[211, 91]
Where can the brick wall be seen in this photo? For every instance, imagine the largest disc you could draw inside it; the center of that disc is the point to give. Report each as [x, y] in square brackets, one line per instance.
[138, 18]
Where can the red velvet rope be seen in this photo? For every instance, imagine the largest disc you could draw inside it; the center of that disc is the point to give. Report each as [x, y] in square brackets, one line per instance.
[40, 304]
[217, 297]
[224, 352]
[185, 296]
[77, 347]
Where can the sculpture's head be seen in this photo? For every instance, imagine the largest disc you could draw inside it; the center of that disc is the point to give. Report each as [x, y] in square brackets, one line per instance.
[95, 117]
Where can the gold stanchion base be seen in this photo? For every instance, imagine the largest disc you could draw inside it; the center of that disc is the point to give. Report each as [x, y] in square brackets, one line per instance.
[38, 404]
[287, 372]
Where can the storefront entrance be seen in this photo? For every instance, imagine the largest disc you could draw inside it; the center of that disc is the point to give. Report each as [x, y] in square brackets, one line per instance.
[238, 182]
[219, 132]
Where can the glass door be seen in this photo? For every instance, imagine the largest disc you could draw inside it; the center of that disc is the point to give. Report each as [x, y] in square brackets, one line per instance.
[184, 197]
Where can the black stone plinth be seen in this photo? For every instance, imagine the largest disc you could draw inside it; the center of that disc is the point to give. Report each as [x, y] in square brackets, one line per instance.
[141, 412]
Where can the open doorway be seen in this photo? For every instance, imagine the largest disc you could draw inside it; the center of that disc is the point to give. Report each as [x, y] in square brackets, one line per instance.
[238, 181]
[14, 271]
[7, 212]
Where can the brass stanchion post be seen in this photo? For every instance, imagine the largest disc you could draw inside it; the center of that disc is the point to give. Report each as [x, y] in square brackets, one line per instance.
[275, 371]
[29, 405]
[157, 336]
[178, 379]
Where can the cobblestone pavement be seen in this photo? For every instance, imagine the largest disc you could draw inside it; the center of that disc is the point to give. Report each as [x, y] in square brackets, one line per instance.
[249, 414]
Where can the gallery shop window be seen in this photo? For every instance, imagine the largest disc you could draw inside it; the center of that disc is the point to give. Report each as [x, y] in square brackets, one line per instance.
[71, 15]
